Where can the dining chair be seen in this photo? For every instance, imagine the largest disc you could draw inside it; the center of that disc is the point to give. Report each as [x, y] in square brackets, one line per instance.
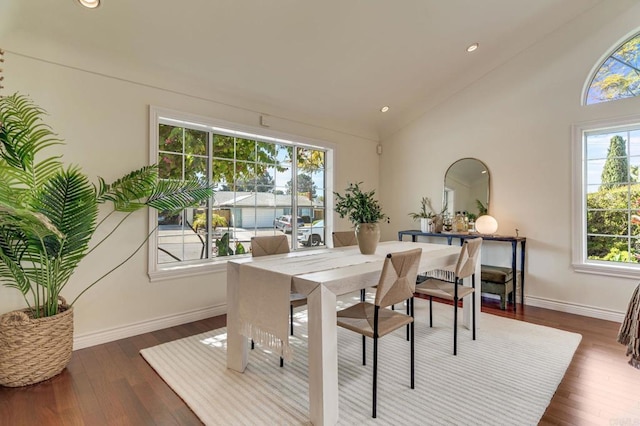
[448, 284]
[277, 244]
[344, 238]
[396, 284]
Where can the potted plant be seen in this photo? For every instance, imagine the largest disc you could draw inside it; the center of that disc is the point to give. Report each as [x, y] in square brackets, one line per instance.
[48, 216]
[427, 218]
[364, 212]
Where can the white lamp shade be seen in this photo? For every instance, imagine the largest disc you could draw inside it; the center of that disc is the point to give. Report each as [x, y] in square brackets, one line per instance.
[486, 224]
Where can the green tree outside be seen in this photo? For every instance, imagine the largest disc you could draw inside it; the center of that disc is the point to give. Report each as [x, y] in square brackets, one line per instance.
[616, 167]
[305, 186]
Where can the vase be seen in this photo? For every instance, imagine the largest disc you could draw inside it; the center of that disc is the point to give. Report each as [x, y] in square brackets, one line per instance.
[368, 235]
[426, 224]
[438, 223]
[34, 349]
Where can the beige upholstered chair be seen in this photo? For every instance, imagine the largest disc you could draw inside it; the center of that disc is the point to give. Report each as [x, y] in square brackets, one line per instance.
[277, 244]
[344, 238]
[397, 283]
[453, 289]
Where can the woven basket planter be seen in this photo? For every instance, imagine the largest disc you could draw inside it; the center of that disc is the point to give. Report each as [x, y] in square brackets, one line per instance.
[33, 350]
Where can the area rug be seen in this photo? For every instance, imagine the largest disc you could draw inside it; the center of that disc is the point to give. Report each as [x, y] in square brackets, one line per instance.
[505, 377]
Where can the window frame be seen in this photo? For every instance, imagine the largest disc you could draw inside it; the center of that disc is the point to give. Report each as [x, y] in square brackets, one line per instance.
[158, 115]
[580, 262]
[598, 65]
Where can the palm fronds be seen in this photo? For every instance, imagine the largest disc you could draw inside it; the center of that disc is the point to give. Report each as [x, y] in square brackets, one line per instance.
[48, 214]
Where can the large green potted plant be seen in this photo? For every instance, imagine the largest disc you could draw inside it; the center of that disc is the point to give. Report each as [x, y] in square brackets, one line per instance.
[48, 216]
[364, 212]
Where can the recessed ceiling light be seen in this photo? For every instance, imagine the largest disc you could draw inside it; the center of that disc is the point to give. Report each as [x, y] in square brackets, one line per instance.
[473, 47]
[91, 4]
[384, 109]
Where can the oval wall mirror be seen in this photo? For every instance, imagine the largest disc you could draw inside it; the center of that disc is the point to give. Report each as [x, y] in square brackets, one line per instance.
[466, 187]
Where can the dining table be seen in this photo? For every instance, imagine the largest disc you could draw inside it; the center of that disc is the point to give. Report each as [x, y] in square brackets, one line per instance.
[323, 275]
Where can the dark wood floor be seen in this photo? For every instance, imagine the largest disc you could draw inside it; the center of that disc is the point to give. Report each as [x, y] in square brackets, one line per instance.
[111, 384]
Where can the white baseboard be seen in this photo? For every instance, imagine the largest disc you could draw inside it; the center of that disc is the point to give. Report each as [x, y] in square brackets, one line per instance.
[129, 330]
[117, 333]
[587, 311]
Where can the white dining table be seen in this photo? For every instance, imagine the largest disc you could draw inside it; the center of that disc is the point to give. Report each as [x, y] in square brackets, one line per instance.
[318, 275]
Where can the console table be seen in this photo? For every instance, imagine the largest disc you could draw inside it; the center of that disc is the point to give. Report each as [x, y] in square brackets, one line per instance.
[414, 234]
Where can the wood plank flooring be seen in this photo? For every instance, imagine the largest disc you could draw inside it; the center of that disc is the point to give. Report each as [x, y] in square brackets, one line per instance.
[111, 384]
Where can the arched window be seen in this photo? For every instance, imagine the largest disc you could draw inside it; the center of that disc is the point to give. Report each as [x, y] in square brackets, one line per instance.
[619, 76]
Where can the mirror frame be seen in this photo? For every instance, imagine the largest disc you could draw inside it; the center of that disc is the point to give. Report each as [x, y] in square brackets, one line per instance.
[481, 163]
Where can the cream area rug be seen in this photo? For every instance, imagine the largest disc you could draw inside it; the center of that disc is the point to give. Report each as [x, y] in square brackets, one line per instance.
[505, 377]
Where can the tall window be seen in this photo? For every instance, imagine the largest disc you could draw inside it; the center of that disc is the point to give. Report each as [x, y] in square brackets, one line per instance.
[619, 75]
[263, 186]
[609, 209]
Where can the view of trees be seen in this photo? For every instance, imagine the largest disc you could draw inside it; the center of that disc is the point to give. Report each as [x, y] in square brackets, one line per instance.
[619, 75]
[608, 219]
[305, 186]
[254, 170]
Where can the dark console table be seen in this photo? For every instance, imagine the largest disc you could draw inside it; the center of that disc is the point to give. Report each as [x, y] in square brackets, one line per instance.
[414, 234]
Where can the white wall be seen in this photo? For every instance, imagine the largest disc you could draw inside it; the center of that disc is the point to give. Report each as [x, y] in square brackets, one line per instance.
[517, 119]
[104, 121]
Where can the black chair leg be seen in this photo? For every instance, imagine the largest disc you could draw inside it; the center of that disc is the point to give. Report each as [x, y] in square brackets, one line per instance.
[430, 311]
[364, 350]
[455, 326]
[413, 362]
[252, 344]
[362, 294]
[408, 313]
[375, 376]
[291, 316]
[473, 305]
[281, 361]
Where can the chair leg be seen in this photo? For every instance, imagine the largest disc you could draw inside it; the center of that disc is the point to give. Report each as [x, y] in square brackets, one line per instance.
[408, 313]
[281, 362]
[375, 376]
[413, 362]
[291, 316]
[362, 295]
[455, 325]
[253, 344]
[364, 350]
[473, 305]
[430, 311]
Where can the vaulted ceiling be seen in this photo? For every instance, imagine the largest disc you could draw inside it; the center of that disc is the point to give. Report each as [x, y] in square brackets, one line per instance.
[331, 63]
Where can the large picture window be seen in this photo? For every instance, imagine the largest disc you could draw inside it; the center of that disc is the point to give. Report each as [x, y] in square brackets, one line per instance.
[608, 199]
[264, 185]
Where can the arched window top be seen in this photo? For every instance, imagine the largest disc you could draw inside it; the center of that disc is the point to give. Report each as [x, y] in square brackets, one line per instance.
[619, 75]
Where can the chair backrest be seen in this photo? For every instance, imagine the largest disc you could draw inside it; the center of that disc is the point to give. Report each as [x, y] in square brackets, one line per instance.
[344, 238]
[398, 278]
[273, 244]
[468, 259]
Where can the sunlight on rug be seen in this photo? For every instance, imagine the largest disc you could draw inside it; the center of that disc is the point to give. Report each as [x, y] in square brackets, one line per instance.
[507, 376]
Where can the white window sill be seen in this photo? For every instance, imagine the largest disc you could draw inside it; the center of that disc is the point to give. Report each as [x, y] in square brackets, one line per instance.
[191, 270]
[610, 269]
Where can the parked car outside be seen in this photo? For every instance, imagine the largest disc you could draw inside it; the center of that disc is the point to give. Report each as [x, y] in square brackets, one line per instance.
[312, 235]
[284, 223]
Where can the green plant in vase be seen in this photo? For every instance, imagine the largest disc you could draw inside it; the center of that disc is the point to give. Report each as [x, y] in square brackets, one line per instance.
[364, 212]
[49, 214]
[426, 215]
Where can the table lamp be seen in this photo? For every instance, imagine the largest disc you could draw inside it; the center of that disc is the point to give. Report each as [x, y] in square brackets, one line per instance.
[486, 224]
